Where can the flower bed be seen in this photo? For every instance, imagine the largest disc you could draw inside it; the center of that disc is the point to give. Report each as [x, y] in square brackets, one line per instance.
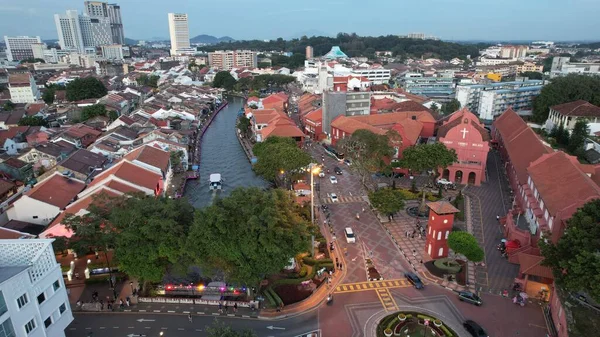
[414, 324]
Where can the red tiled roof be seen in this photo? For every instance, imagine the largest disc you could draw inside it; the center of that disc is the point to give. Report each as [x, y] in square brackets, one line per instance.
[411, 106]
[275, 98]
[14, 162]
[561, 182]
[442, 207]
[412, 129]
[129, 172]
[282, 128]
[126, 120]
[349, 125]
[315, 115]
[578, 108]
[509, 124]
[6, 233]
[389, 119]
[56, 190]
[523, 149]
[531, 265]
[151, 156]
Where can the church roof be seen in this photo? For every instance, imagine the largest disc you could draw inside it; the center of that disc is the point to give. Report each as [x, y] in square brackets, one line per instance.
[457, 118]
[442, 207]
[335, 53]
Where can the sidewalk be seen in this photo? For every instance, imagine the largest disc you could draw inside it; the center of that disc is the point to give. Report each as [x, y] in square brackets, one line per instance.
[413, 250]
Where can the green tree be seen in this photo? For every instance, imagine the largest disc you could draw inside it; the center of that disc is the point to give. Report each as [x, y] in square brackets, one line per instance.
[220, 329]
[296, 61]
[574, 259]
[427, 157]
[532, 75]
[33, 121]
[387, 201]
[223, 79]
[113, 115]
[277, 154]
[176, 158]
[8, 106]
[577, 139]
[150, 81]
[434, 107]
[32, 60]
[451, 106]
[243, 125]
[60, 245]
[560, 134]
[84, 88]
[566, 89]
[48, 95]
[465, 243]
[368, 151]
[248, 235]
[547, 64]
[93, 111]
[151, 234]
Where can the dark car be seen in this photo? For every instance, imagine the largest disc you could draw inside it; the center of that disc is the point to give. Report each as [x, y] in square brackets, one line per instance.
[474, 329]
[467, 296]
[414, 280]
[337, 170]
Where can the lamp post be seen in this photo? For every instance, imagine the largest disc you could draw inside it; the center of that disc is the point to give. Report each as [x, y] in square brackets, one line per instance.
[313, 169]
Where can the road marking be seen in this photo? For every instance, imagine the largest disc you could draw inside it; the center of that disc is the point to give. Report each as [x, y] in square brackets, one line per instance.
[146, 327]
[180, 329]
[142, 310]
[88, 328]
[115, 327]
[215, 313]
[129, 327]
[156, 310]
[386, 299]
[171, 311]
[198, 329]
[163, 328]
[186, 312]
[371, 285]
[200, 313]
[101, 328]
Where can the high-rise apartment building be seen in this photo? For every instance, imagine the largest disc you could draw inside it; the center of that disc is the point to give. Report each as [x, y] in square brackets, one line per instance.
[38, 50]
[20, 47]
[228, 59]
[33, 295]
[112, 12]
[180, 33]
[112, 52]
[82, 33]
[310, 52]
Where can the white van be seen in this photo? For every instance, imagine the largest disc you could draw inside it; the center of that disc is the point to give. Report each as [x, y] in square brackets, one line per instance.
[350, 238]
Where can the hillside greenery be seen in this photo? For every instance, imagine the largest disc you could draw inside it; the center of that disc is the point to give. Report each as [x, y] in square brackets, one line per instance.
[354, 45]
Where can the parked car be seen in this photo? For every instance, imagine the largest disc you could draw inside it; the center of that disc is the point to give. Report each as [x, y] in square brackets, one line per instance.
[333, 197]
[333, 180]
[467, 296]
[474, 329]
[321, 174]
[337, 170]
[347, 162]
[444, 182]
[414, 280]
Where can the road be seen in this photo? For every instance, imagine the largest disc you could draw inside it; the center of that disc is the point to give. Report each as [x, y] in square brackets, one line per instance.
[125, 324]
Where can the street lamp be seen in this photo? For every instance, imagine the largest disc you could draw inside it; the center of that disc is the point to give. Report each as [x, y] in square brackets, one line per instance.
[313, 169]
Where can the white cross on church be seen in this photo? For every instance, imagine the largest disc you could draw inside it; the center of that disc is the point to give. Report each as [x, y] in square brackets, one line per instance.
[464, 132]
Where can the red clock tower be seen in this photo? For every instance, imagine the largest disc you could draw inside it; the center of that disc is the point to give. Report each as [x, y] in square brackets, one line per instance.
[439, 226]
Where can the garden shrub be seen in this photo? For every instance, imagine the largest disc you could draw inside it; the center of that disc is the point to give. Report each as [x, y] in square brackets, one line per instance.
[309, 261]
[446, 331]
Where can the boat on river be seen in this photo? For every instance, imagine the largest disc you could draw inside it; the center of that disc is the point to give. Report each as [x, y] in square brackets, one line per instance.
[215, 182]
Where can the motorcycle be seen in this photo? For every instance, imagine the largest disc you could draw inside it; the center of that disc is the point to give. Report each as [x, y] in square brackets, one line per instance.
[329, 299]
[357, 216]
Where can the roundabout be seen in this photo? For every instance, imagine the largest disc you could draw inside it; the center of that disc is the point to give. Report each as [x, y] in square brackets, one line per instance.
[413, 324]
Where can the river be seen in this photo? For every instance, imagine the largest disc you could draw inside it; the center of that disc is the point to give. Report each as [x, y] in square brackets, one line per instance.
[222, 153]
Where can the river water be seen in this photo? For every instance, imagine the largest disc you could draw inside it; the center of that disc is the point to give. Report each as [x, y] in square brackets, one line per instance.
[222, 153]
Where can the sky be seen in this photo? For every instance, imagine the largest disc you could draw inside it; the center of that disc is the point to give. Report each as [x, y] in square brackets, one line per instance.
[492, 20]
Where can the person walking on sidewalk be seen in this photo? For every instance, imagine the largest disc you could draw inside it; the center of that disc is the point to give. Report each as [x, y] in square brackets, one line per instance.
[235, 307]
[190, 318]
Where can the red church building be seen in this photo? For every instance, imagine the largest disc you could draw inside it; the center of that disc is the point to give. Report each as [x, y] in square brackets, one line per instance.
[463, 132]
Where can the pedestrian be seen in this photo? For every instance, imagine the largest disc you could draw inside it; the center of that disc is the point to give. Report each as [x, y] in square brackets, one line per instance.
[414, 232]
[407, 233]
[412, 236]
[235, 307]
[341, 268]
[220, 307]
[363, 209]
[128, 301]
[345, 251]
[190, 318]
[497, 218]
[101, 305]
[419, 235]
[337, 265]
[226, 308]
[414, 253]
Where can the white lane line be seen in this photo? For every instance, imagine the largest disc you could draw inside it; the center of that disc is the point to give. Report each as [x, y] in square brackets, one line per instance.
[146, 327]
[156, 310]
[115, 327]
[200, 313]
[102, 328]
[198, 329]
[88, 328]
[215, 313]
[171, 311]
[186, 312]
[245, 316]
[180, 329]
[144, 310]
[230, 315]
[163, 328]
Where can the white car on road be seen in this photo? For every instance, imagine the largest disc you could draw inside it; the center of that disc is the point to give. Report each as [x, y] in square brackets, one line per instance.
[333, 197]
[333, 180]
[444, 182]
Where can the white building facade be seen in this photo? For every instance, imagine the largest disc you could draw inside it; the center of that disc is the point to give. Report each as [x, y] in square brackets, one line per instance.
[562, 66]
[376, 75]
[489, 100]
[22, 88]
[112, 52]
[229, 59]
[82, 33]
[33, 296]
[180, 33]
[20, 47]
[112, 12]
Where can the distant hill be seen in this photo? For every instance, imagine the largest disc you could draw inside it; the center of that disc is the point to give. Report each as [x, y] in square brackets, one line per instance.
[209, 39]
[131, 42]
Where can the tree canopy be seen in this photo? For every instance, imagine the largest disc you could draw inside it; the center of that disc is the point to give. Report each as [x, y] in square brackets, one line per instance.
[220, 329]
[451, 106]
[33, 121]
[243, 124]
[563, 90]
[369, 151]
[465, 243]
[354, 45]
[48, 95]
[387, 201]
[264, 81]
[423, 157]
[533, 75]
[291, 62]
[574, 259]
[93, 111]
[84, 88]
[577, 139]
[277, 154]
[223, 79]
[150, 81]
[8, 105]
[248, 235]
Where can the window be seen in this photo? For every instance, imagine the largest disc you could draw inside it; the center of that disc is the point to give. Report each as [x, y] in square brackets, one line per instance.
[56, 285]
[48, 322]
[41, 298]
[62, 308]
[6, 329]
[21, 301]
[30, 326]
[3, 307]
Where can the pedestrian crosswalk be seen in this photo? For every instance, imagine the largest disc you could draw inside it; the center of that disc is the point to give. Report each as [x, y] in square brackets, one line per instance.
[343, 199]
[371, 285]
[386, 298]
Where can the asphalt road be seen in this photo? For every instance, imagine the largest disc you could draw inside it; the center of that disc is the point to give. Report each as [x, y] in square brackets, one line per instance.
[135, 325]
